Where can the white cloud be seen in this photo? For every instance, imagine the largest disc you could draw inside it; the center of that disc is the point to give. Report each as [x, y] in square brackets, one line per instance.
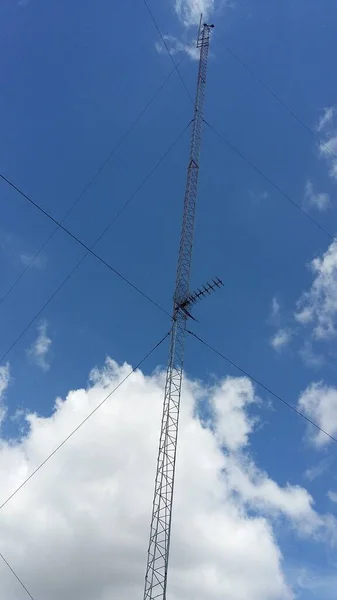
[4, 382]
[4, 379]
[275, 310]
[328, 149]
[281, 339]
[38, 351]
[258, 491]
[326, 119]
[176, 46]
[317, 470]
[310, 358]
[275, 307]
[321, 585]
[233, 425]
[188, 11]
[86, 514]
[283, 335]
[320, 200]
[332, 496]
[327, 125]
[319, 304]
[319, 403]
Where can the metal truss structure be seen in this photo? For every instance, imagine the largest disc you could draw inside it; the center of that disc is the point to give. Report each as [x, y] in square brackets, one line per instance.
[159, 545]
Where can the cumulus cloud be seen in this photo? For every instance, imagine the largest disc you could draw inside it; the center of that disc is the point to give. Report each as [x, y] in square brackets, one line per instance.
[275, 313]
[332, 496]
[310, 358]
[176, 46]
[281, 339]
[79, 529]
[4, 379]
[319, 584]
[233, 424]
[283, 335]
[188, 11]
[319, 403]
[327, 126]
[319, 305]
[313, 199]
[258, 491]
[38, 351]
[275, 308]
[317, 470]
[4, 382]
[326, 119]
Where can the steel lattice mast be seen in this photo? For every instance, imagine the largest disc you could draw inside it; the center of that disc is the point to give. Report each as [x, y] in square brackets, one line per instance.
[159, 545]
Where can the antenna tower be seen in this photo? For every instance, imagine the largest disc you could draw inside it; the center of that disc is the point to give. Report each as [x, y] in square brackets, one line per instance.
[159, 545]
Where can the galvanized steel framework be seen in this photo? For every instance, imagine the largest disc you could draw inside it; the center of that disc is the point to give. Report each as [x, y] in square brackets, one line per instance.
[159, 545]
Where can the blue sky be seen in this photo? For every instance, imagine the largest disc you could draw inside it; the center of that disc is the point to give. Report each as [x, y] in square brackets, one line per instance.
[74, 77]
